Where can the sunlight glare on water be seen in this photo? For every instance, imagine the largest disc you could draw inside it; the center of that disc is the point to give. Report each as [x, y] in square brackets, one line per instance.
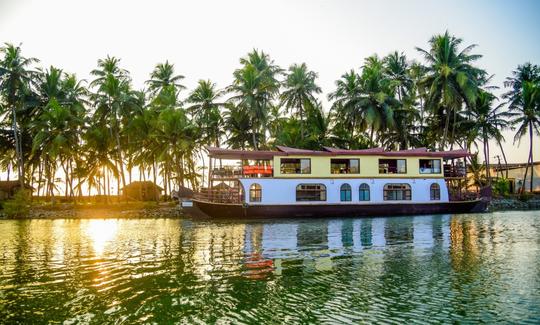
[441, 268]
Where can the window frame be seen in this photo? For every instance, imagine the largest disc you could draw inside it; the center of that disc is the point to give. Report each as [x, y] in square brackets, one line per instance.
[345, 188]
[406, 192]
[349, 164]
[281, 170]
[431, 170]
[435, 192]
[364, 190]
[255, 188]
[322, 192]
[396, 160]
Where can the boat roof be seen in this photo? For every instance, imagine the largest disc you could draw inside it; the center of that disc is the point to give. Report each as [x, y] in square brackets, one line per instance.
[223, 153]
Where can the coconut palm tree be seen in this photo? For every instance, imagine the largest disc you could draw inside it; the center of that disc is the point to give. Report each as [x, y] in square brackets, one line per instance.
[114, 101]
[486, 121]
[522, 99]
[345, 99]
[254, 87]
[56, 140]
[162, 77]
[451, 81]
[15, 83]
[205, 110]
[300, 90]
[238, 127]
[396, 69]
[527, 109]
[377, 103]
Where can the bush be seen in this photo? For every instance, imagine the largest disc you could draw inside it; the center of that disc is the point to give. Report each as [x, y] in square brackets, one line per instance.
[501, 186]
[525, 196]
[19, 205]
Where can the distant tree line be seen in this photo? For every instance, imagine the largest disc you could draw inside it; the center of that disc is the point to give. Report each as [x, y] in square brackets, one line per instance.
[98, 132]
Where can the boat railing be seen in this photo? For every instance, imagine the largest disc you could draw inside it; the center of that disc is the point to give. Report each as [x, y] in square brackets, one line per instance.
[231, 195]
[454, 171]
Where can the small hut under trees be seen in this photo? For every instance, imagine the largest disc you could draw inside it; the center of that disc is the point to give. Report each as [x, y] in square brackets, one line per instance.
[142, 191]
[9, 188]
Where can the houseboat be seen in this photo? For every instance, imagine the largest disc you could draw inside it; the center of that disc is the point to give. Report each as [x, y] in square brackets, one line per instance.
[291, 182]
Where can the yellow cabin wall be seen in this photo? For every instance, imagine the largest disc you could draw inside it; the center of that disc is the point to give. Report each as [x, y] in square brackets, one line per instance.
[369, 167]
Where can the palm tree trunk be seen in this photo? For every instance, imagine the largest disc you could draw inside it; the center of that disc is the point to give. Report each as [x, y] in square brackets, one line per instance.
[486, 163]
[18, 151]
[504, 158]
[445, 132]
[254, 139]
[531, 155]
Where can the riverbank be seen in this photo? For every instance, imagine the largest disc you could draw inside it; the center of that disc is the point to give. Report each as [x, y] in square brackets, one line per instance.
[171, 210]
[102, 211]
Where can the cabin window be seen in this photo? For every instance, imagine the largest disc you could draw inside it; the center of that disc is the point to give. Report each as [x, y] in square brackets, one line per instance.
[397, 192]
[311, 192]
[345, 166]
[364, 192]
[392, 166]
[295, 166]
[430, 166]
[434, 192]
[345, 193]
[255, 193]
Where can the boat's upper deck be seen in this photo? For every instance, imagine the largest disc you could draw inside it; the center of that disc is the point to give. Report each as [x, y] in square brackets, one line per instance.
[337, 163]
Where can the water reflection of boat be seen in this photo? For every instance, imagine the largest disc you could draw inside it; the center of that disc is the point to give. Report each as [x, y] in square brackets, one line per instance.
[335, 237]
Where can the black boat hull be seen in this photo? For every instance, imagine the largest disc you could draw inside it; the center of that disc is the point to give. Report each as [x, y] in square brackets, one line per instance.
[223, 210]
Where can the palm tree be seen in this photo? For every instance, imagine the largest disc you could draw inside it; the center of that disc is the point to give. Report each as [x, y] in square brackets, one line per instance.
[163, 77]
[401, 85]
[238, 127]
[205, 110]
[114, 100]
[300, 90]
[345, 102]
[396, 70]
[527, 109]
[521, 99]
[15, 82]
[451, 81]
[486, 121]
[56, 139]
[254, 87]
[377, 103]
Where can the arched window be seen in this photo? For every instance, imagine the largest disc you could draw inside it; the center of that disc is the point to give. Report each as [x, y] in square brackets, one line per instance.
[363, 192]
[397, 192]
[345, 192]
[434, 192]
[311, 192]
[255, 193]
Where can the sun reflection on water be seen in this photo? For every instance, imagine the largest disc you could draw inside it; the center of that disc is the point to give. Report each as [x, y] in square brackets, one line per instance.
[101, 232]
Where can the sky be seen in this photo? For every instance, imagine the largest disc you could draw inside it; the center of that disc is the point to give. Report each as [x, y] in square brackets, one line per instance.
[205, 39]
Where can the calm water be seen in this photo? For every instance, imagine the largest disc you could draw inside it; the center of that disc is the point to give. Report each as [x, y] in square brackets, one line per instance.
[444, 268]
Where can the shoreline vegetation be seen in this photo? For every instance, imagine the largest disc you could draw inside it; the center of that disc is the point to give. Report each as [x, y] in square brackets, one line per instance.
[62, 136]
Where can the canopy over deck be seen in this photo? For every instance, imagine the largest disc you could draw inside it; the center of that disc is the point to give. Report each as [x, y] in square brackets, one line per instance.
[222, 153]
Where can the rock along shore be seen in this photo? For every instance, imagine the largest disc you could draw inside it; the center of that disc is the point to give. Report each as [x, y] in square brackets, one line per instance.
[509, 204]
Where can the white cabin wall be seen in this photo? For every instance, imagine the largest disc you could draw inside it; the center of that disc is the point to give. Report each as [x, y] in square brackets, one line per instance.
[283, 191]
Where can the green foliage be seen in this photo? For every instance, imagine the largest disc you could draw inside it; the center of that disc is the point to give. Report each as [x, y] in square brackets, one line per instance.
[19, 205]
[501, 186]
[96, 134]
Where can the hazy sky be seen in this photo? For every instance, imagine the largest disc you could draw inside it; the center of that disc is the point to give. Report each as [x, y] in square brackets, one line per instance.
[205, 39]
